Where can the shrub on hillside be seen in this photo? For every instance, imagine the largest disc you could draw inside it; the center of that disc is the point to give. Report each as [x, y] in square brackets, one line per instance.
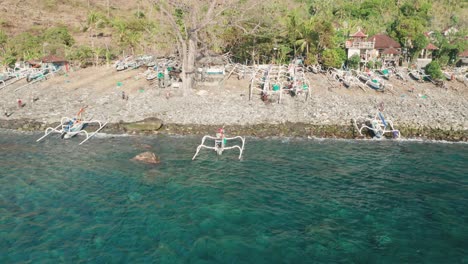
[433, 70]
[332, 58]
[354, 61]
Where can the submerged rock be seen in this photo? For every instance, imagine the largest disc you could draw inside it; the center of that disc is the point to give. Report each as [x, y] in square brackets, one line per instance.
[147, 157]
[134, 196]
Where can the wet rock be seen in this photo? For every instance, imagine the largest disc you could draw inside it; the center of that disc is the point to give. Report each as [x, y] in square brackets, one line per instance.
[148, 124]
[147, 157]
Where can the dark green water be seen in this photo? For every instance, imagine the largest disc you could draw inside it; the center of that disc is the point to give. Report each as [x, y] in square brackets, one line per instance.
[287, 201]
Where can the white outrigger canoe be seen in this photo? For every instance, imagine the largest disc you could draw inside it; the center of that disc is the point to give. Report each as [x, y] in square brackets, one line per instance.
[70, 127]
[379, 126]
[220, 144]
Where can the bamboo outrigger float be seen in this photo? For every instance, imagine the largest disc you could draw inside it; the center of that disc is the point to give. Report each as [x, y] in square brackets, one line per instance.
[220, 144]
[70, 127]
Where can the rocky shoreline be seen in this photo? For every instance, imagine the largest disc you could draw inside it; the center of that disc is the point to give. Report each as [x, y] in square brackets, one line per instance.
[153, 126]
[418, 110]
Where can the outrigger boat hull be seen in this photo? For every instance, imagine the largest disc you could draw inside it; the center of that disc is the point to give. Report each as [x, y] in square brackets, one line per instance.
[66, 132]
[378, 126]
[220, 145]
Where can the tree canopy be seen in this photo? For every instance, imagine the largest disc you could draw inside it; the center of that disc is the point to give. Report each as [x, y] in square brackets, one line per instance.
[251, 31]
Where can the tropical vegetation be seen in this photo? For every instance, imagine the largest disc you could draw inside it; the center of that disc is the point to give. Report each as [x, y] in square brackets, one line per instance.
[251, 31]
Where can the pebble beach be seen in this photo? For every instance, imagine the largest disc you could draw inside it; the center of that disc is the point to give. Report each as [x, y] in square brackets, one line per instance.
[101, 90]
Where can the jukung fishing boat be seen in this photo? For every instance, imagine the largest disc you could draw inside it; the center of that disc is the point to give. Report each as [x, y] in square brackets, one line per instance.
[70, 127]
[363, 77]
[416, 75]
[220, 142]
[38, 75]
[378, 126]
[399, 74]
[375, 84]
[384, 73]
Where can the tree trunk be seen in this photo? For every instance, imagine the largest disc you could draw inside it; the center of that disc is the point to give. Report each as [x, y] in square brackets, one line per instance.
[183, 51]
[192, 54]
[189, 53]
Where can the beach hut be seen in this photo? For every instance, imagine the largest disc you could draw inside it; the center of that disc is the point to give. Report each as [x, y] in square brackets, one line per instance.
[54, 63]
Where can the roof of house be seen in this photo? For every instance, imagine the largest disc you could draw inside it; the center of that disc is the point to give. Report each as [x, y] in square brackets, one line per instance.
[391, 50]
[32, 62]
[464, 54]
[359, 34]
[431, 46]
[52, 59]
[383, 41]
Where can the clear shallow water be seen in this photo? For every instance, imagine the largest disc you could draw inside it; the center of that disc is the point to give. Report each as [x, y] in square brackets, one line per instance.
[288, 201]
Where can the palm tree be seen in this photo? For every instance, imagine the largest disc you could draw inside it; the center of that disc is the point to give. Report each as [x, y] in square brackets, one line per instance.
[307, 37]
[292, 28]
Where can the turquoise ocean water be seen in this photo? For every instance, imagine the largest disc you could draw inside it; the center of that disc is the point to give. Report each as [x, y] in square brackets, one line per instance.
[287, 201]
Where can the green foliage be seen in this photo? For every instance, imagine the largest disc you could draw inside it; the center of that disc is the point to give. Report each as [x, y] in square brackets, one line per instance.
[366, 10]
[454, 20]
[283, 52]
[58, 35]
[406, 28]
[417, 45]
[9, 61]
[354, 61]
[130, 32]
[433, 70]
[325, 33]
[311, 59]
[3, 39]
[309, 28]
[179, 16]
[370, 64]
[139, 14]
[82, 54]
[332, 58]
[25, 46]
[378, 64]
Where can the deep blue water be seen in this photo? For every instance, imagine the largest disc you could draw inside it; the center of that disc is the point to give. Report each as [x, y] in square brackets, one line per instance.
[287, 201]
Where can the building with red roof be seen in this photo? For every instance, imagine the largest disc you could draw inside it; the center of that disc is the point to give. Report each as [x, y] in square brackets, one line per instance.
[388, 49]
[357, 44]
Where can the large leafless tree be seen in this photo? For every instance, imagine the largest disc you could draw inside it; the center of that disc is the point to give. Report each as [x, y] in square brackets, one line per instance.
[192, 23]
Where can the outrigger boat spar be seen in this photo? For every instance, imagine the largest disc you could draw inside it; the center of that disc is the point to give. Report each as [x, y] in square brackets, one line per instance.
[378, 125]
[220, 144]
[70, 127]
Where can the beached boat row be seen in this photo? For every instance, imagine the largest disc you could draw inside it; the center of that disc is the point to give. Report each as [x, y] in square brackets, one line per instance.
[377, 79]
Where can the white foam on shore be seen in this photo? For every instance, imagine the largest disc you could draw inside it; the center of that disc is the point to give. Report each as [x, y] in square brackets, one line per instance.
[107, 135]
[283, 139]
[401, 140]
